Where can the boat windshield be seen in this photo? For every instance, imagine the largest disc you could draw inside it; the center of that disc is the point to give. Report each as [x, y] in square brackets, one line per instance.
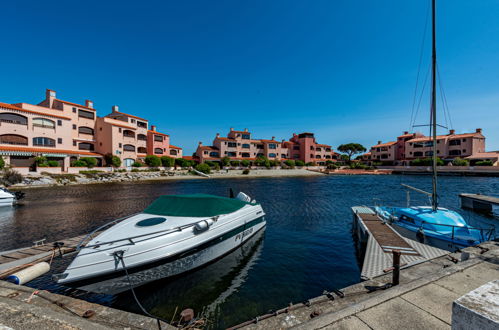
[440, 217]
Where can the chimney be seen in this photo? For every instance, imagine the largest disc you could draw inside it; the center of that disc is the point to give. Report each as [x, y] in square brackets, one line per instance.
[200, 143]
[218, 134]
[379, 142]
[451, 131]
[89, 104]
[294, 134]
[273, 138]
[406, 132]
[479, 130]
[283, 140]
[153, 128]
[50, 95]
[245, 129]
[231, 129]
[115, 108]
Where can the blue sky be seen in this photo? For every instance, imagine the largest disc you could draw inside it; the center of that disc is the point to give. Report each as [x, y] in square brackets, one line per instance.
[345, 70]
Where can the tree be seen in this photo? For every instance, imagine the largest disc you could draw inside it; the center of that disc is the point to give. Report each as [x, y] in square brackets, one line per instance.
[225, 161]
[460, 162]
[203, 168]
[245, 163]
[290, 163]
[2, 163]
[112, 160]
[167, 161]
[152, 161]
[300, 163]
[351, 149]
[137, 164]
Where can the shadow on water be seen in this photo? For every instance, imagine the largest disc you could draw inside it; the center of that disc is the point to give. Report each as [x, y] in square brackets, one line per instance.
[307, 246]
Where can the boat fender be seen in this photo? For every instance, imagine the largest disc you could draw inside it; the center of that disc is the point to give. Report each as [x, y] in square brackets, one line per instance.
[30, 273]
[420, 235]
[203, 224]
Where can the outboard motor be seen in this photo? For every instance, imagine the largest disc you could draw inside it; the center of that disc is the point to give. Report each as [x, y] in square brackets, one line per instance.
[19, 195]
[243, 197]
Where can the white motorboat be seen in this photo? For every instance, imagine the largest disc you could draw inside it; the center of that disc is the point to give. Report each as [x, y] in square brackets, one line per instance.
[8, 197]
[180, 232]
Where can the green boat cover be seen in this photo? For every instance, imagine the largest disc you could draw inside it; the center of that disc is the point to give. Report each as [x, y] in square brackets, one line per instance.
[195, 205]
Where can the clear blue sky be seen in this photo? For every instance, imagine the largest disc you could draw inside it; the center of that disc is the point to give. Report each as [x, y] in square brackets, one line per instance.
[345, 70]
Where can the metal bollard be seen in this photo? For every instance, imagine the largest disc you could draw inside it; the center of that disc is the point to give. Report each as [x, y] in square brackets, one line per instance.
[396, 267]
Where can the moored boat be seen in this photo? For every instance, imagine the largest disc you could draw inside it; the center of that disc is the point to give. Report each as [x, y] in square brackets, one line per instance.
[183, 232]
[8, 197]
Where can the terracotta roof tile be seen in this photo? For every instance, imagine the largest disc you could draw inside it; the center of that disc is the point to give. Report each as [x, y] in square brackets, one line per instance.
[126, 114]
[13, 107]
[174, 147]
[154, 132]
[384, 144]
[75, 104]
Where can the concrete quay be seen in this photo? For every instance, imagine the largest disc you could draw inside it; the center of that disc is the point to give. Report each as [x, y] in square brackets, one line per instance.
[423, 300]
[22, 308]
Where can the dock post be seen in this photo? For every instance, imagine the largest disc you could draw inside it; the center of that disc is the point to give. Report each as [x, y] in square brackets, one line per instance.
[396, 267]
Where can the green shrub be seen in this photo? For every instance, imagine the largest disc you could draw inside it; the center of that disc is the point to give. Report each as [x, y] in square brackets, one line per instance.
[90, 161]
[91, 172]
[426, 162]
[152, 161]
[183, 162]
[79, 163]
[10, 177]
[290, 163]
[273, 163]
[121, 170]
[299, 163]
[213, 165]
[135, 170]
[234, 163]
[245, 163]
[225, 161]
[112, 160]
[332, 166]
[42, 165]
[484, 163]
[40, 160]
[167, 161]
[310, 164]
[358, 166]
[246, 171]
[2, 163]
[203, 168]
[460, 162]
[262, 161]
[53, 163]
[137, 164]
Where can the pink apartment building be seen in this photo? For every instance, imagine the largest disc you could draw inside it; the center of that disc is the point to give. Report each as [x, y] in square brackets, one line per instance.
[64, 131]
[239, 145]
[159, 144]
[410, 146]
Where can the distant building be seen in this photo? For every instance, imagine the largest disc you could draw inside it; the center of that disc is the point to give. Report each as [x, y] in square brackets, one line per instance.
[240, 145]
[410, 146]
[64, 131]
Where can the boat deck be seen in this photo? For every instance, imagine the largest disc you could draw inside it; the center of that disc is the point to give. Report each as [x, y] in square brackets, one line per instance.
[480, 203]
[380, 239]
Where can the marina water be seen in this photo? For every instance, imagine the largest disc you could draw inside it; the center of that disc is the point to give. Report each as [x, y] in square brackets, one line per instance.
[306, 248]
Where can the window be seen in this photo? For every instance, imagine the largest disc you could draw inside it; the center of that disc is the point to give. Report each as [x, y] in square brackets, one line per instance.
[85, 130]
[119, 130]
[318, 149]
[86, 146]
[141, 124]
[406, 218]
[272, 146]
[129, 147]
[231, 154]
[245, 146]
[259, 155]
[428, 144]
[455, 142]
[43, 142]
[14, 139]
[59, 141]
[142, 150]
[464, 150]
[74, 126]
[246, 137]
[418, 144]
[173, 152]
[85, 114]
[296, 156]
[141, 137]
[232, 144]
[418, 154]
[328, 149]
[74, 110]
[158, 151]
[245, 155]
[384, 156]
[428, 153]
[259, 146]
[13, 118]
[464, 140]
[317, 156]
[272, 155]
[59, 122]
[74, 143]
[283, 156]
[43, 122]
[296, 147]
[214, 154]
[133, 121]
[119, 145]
[158, 138]
[129, 133]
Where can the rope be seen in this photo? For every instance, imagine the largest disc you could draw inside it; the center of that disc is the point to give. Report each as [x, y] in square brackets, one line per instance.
[118, 255]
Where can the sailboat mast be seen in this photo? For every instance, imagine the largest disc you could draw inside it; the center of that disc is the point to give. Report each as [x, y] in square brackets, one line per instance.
[433, 121]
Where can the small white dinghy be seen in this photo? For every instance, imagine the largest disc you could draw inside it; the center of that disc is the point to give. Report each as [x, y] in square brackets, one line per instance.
[8, 197]
[180, 232]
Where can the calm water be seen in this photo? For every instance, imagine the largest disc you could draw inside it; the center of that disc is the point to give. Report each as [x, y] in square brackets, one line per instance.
[306, 248]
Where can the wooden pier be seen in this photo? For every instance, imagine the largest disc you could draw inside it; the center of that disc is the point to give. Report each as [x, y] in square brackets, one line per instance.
[479, 203]
[378, 240]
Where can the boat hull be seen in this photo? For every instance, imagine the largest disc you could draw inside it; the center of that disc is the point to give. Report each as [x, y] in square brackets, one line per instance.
[119, 282]
[7, 201]
[171, 265]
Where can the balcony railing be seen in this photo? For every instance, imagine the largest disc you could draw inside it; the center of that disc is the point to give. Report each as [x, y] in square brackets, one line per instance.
[14, 143]
[44, 126]
[8, 121]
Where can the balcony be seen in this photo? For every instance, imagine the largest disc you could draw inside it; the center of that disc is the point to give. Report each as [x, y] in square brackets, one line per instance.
[14, 139]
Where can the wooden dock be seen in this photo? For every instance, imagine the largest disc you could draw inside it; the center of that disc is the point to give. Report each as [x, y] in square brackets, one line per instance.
[13, 259]
[479, 203]
[378, 240]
